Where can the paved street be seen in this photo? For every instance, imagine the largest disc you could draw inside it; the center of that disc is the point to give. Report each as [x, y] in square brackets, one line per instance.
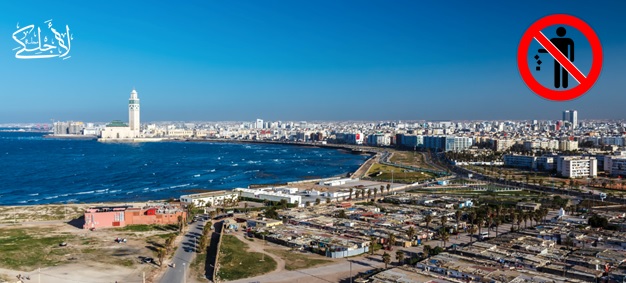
[184, 255]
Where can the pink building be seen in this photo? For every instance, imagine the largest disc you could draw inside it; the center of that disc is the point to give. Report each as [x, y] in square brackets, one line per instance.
[120, 216]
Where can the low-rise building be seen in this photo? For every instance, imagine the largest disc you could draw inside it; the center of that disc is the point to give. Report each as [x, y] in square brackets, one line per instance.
[120, 216]
[215, 198]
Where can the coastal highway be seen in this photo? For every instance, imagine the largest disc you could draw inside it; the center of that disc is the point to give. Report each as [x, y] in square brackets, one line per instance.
[184, 255]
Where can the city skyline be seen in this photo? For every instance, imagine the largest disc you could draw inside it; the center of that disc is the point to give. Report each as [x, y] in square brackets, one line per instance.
[296, 61]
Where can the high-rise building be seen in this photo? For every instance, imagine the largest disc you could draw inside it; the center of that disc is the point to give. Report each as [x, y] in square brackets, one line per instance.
[259, 124]
[571, 116]
[133, 111]
[574, 118]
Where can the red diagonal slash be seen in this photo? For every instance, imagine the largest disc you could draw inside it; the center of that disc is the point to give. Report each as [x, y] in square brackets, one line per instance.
[559, 57]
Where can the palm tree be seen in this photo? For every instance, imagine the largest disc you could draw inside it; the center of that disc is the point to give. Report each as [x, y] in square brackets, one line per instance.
[181, 223]
[317, 201]
[444, 220]
[382, 188]
[400, 256]
[525, 216]
[369, 194]
[357, 193]
[372, 244]
[351, 191]
[479, 222]
[472, 230]
[386, 259]
[498, 222]
[428, 219]
[427, 250]
[458, 214]
[327, 200]
[443, 233]
[392, 239]
[411, 233]
[161, 255]
[513, 217]
[375, 193]
[388, 188]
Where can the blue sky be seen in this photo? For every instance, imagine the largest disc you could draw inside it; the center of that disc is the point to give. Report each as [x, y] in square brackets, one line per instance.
[298, 60]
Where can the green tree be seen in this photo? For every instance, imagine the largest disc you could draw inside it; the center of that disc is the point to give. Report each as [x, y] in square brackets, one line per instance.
[307, 203]
[373, 242]
[283, 203]
[327, 200]
[427, 250]
[386, 259]
[411, 233]
[342, 214]
[428, 219]
[400, 256]
[317, 201]
[472, 230]
[181, 223]
[161, 255]
[444, 236]
[392, 239]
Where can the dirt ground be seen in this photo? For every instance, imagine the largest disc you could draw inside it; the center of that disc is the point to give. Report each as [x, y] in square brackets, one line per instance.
[90, 256]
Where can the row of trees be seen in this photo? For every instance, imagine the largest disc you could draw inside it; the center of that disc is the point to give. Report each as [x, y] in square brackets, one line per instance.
[361, 193]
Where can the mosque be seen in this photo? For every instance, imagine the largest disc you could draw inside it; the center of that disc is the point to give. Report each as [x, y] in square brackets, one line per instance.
[118, 130]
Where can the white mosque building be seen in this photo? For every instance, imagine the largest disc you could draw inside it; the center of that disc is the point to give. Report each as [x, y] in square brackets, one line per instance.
[118, 130]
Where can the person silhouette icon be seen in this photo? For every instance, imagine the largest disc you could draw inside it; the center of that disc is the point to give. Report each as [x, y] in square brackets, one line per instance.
[566, 46]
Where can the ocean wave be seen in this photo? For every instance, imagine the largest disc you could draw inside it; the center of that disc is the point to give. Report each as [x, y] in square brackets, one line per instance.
[84, 193]
[180, 186]
[35, 194]
[196, 176]
[51, 197]
[253, 162]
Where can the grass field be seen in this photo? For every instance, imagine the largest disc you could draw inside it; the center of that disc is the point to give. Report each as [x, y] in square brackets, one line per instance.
[382, 172]
[295, 260]
[236, 262]
[410, 158]
[198, 267]
[31, 248]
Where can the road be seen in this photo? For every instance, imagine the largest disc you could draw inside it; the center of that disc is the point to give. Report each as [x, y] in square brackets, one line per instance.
[184, 255]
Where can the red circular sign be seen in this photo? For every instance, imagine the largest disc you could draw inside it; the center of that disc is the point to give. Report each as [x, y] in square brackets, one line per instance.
[534, 32]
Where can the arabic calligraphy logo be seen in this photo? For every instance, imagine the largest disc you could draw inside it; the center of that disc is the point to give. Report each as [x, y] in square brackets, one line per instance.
[33, 46]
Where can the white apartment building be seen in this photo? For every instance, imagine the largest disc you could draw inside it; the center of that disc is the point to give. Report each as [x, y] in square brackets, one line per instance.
[578, 167]
[568, 145]
[268, 194]
[215, 198]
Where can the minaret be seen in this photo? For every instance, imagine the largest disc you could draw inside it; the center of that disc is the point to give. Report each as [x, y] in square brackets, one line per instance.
[133, 112]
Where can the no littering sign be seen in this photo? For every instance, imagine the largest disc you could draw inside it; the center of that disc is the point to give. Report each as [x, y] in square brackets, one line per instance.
[559, 48]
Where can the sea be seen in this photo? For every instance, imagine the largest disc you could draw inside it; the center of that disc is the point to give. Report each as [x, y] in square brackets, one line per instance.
[39, 170]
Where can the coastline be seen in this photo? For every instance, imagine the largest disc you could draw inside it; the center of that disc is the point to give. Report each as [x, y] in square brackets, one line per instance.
[351, 149]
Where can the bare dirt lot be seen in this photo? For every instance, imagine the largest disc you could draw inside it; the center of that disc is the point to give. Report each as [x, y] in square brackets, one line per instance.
[61, 251]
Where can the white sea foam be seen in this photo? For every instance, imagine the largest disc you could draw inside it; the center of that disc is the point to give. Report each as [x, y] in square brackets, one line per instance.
[180, 186]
